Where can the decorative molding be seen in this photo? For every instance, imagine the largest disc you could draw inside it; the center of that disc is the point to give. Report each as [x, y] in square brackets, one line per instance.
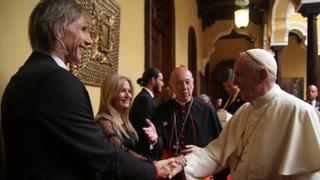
[229, 32]
[279, 23]
[300, 29]
[308, 7]
[101, 58]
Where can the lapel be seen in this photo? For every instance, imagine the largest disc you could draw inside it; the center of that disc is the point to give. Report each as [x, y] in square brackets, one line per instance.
[146, 93]
[150, 98]
[318, 105]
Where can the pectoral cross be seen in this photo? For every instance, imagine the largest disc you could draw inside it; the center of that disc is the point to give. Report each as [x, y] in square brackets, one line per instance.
[176, 148]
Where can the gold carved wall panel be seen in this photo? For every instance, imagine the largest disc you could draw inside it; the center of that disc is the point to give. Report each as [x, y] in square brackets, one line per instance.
[101, 58]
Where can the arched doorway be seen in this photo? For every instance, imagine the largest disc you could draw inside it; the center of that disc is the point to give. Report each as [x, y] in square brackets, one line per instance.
[217, 90]
[224, 58]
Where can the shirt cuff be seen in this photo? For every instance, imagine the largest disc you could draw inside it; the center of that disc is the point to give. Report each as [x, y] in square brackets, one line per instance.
[152, 144]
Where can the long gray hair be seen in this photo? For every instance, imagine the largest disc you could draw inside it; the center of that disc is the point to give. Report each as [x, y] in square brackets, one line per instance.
[48, 22]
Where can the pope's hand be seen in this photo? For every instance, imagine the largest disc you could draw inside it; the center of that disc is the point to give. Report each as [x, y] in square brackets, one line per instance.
[178, 166]
[168, 168]
[189, 149]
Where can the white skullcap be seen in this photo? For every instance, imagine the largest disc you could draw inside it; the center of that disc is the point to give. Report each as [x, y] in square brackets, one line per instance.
[265, 58]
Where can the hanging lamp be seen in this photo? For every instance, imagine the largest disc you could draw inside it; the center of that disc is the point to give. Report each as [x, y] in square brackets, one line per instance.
[241, 15]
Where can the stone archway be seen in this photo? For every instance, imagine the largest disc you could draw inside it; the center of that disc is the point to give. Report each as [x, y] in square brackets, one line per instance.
[280, 24]
[223, 33]
[216, 89]
[217, 65]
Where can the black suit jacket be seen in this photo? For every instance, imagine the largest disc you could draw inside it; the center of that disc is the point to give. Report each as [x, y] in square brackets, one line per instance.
[143, 108]
[49, 132]
[317, 105]
[234, 106]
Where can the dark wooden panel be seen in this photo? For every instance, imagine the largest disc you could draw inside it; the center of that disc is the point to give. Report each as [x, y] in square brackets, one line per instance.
[160, 36]
[212, 10]
[192, 57]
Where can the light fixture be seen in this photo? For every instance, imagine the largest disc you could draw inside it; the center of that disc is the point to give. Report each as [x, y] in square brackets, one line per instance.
[241, 16]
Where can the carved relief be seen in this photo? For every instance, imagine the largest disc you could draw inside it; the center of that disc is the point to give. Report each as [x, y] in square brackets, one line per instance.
[101, 58]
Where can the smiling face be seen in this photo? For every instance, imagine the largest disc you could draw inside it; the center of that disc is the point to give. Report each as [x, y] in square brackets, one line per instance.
[123, 100]
[76, 39]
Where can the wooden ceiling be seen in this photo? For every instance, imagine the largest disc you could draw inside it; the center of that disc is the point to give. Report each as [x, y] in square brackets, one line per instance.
[213, 10]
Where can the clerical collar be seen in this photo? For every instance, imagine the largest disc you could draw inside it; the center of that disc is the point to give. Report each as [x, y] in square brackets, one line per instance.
[59, 61]
[183, 103]
[149, 91]
[260, 101]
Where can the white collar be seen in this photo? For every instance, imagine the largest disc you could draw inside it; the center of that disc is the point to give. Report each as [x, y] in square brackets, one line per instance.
[313, 102]
[260, 101]
[149, 91]
[59, 61]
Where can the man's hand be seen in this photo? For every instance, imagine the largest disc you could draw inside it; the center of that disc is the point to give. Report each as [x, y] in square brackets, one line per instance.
[170, 167]
[150, 131]
[177, 167]
[189, 149]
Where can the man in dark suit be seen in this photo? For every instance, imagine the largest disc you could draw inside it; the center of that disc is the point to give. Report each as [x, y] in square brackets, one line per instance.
[185, 123]
[143, 107]
[312, 94]
[48, 126]
[233, 102]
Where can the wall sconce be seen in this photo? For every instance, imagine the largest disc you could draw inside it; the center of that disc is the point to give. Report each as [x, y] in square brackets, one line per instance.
[241, 16]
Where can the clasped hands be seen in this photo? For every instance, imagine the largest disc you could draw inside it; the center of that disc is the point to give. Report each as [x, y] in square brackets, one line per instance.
[168, 168]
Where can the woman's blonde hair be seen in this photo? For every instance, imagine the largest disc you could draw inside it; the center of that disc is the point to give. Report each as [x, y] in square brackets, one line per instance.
[110, 89]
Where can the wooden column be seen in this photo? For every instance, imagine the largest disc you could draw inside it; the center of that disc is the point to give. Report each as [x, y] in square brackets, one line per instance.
[311, 10]
[277, 51]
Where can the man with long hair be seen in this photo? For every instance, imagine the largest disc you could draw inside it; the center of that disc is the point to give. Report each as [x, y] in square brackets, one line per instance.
[48, 125]
[143, 108]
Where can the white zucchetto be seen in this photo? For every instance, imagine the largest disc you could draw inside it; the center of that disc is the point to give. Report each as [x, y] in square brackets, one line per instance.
[265, 58]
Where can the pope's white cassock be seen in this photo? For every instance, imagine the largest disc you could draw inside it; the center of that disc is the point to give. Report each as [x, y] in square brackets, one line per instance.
[277, 136]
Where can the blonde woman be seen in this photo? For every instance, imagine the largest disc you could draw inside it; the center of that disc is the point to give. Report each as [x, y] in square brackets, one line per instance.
[113, 115]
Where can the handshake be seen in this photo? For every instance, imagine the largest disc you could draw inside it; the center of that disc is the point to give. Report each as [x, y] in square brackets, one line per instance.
[168, 168]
